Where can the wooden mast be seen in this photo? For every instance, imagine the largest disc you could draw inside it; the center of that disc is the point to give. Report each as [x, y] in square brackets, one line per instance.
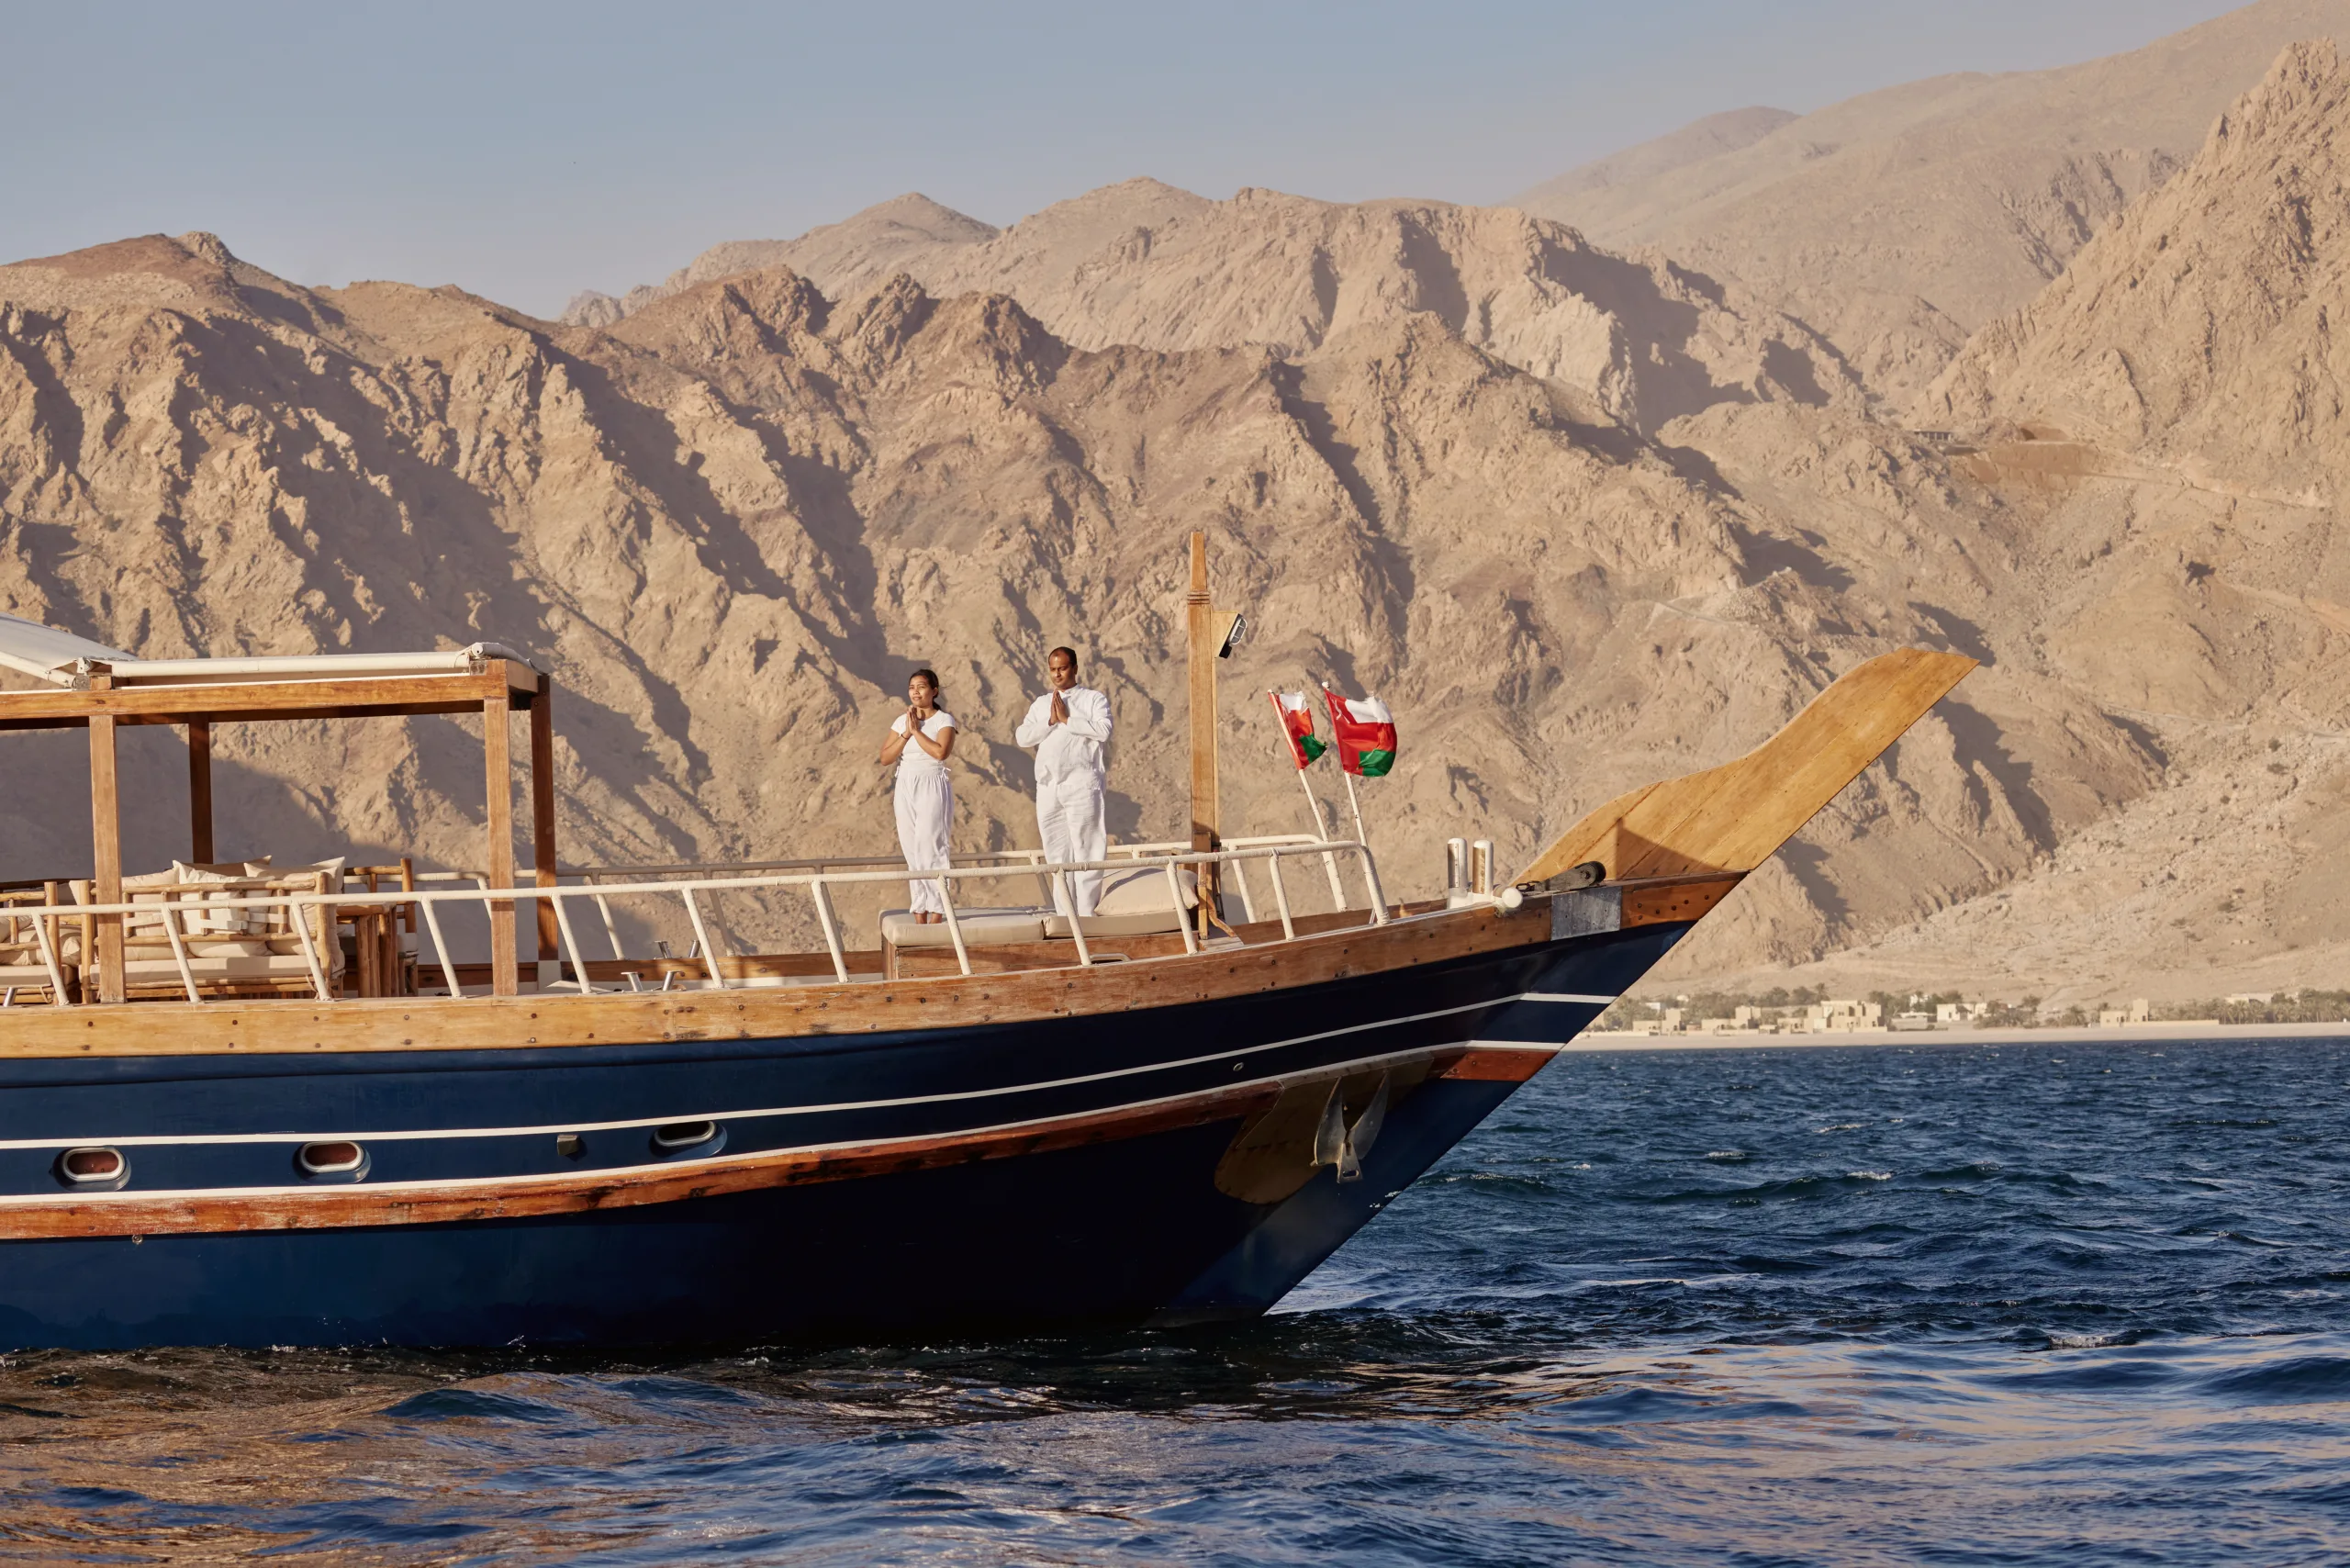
[199, 791]
[499, 762]
[106, 842]
[1201, 616]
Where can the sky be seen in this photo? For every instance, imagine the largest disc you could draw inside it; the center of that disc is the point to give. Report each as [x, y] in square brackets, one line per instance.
[528, 150]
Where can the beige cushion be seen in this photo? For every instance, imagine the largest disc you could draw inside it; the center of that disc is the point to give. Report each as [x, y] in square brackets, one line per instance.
[201, 916]
[267, 967]
[1145, 891]
[150, 950]
[330, 953]
[981, 928]
[1162, 921]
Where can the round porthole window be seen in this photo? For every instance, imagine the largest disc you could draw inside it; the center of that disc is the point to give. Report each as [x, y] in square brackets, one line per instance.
[93, 1170]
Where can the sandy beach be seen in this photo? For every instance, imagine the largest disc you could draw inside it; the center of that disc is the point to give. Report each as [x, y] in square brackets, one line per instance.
[2131, 1034]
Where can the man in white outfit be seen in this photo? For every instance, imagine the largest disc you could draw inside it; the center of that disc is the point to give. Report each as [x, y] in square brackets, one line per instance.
[1068, 728]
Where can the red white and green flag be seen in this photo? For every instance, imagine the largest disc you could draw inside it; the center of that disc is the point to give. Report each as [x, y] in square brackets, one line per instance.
[1366, 732]
[1297, 726]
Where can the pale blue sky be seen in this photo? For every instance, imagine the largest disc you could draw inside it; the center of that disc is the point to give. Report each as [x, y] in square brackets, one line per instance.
[526, 150]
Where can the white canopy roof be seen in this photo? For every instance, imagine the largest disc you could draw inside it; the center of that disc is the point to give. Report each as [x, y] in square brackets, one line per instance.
[59, 656]
[36, 649]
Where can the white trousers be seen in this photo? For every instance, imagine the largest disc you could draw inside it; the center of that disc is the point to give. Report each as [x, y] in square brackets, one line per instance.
[925, 817]
[1072, 816]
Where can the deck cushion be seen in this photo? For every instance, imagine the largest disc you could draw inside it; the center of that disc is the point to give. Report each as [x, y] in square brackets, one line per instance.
[981, 928]
[267, 967]
[1154, 922]
[1144, 892]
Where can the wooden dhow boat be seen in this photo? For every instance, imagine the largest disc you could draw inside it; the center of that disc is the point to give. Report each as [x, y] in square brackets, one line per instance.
[251, 1104]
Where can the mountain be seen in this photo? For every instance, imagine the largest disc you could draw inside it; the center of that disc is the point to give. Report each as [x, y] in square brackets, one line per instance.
[895, 236]
[1898, 222]
[730, 524]
[1143, 263]
[1584, 518]
[2199, 330]
[1694, 143]
[2167, 419]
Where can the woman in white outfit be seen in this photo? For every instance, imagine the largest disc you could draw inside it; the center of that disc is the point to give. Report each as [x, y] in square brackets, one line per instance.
[925, 790]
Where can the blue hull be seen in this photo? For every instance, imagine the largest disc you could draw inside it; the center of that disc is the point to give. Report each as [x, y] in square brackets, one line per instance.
[1128, 1230]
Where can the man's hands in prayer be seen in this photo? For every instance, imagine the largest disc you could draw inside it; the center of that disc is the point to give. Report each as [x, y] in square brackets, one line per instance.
[1059, 709]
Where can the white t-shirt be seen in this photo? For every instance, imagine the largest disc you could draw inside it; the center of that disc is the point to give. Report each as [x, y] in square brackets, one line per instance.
[913, 762]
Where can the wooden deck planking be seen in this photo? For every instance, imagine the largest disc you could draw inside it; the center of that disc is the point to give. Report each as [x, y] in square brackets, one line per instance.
[1734, 817]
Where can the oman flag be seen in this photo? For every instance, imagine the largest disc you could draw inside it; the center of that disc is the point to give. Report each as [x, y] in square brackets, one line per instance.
[1366, 732]
[1297, 726]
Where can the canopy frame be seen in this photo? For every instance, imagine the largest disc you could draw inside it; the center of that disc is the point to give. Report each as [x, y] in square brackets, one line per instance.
[106, 696]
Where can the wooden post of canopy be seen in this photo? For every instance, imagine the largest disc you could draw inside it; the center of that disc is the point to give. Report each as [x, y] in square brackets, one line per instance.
[497, 760]
[199, 791]
[1201, 616]
[542, 811]
[105, 839]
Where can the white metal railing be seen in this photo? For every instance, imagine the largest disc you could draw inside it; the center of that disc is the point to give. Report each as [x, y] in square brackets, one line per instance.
[195, 900]
[1032, 860]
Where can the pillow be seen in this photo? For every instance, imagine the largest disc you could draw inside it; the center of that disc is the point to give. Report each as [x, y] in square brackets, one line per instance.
[246, 947]
[1144, 892]
[323, 877]
[201, 917]
[148, 925]
[223, 867]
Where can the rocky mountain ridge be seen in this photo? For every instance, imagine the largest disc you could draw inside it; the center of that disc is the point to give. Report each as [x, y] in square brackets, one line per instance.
[1898, 222]
[732, 519]
[2169, 414]
[1147, 264]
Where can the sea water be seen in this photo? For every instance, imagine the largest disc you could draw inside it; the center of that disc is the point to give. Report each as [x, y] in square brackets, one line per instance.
[1916, 1303]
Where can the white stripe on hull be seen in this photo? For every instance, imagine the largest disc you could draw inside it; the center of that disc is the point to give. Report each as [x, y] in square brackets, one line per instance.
[552, 1128]
[589, 1176]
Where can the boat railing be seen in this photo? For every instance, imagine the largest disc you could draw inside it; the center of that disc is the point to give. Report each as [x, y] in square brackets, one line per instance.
[1028, 862]
[1032, 862]
[431, 900]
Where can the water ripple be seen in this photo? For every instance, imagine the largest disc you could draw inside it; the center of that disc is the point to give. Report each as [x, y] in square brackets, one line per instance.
[1874, 1305]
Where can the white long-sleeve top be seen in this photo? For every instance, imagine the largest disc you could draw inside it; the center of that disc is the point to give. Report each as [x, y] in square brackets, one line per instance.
[1073, 749]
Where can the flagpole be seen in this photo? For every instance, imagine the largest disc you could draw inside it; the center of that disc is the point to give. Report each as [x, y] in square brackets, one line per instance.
[1313, 806]
[1360, 836]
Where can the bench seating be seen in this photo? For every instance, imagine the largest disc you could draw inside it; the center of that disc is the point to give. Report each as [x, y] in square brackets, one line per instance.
[231, 951]
[1132, 904]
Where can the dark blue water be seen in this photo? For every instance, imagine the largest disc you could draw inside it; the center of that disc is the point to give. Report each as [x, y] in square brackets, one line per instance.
[2073, 1303]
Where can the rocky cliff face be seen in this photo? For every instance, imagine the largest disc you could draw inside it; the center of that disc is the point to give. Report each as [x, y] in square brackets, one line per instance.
[2200, 328]
[1898, 222]
[732, 518]
[734, 522]
[2166, 423]
[1147, 264]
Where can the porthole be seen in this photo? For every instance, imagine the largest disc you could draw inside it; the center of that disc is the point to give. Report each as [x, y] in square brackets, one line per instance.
[675, 1137]
[93, 1170]
[332, 1158]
